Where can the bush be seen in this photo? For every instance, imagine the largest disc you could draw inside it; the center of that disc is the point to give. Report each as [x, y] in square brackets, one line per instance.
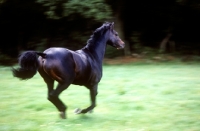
[6, 60]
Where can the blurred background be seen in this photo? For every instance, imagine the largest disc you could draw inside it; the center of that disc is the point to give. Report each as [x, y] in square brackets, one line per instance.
[146, 26]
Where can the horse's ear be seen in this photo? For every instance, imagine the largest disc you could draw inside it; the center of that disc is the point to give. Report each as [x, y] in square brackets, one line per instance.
[112, 25]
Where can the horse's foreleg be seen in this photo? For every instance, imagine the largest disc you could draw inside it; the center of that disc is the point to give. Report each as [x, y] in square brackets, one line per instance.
[54, 98]
[93, 94]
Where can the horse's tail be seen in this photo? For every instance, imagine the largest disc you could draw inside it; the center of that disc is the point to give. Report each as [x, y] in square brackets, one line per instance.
[28, 65]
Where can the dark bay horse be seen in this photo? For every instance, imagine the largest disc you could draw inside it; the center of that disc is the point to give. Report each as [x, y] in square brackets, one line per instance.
[81, 67]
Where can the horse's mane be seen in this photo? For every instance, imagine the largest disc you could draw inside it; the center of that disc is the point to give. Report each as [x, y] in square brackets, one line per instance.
[99, 32]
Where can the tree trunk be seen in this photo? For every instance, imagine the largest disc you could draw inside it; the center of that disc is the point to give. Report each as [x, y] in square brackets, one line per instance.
[164, 42]
[120, 29]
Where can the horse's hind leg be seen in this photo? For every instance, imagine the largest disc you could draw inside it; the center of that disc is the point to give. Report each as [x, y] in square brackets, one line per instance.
[93, 94]
[53, 96]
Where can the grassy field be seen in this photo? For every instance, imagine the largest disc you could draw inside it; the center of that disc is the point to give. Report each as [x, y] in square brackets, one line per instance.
[134, 97]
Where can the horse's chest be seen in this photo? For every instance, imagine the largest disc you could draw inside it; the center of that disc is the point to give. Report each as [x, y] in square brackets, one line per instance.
[87, 71]
[89, 77]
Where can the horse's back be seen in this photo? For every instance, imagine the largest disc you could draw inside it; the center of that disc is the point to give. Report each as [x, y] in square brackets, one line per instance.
[58, 57]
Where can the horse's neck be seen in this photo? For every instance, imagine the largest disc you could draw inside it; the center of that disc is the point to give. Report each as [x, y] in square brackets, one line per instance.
[97, 48]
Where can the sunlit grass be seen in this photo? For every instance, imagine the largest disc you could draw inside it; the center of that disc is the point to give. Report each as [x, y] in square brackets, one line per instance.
[134, 97]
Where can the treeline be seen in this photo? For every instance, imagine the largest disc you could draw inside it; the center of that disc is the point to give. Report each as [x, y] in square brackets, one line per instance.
[164, 25]
[39, 24]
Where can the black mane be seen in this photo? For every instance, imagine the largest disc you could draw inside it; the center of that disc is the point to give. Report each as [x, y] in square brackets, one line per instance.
[99, 32]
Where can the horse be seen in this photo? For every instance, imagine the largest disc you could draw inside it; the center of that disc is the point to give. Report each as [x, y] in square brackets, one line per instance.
[81, 67]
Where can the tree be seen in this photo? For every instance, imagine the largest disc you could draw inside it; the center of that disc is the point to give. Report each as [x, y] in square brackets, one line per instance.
[30, 24]
[97, 10]
[156, 20]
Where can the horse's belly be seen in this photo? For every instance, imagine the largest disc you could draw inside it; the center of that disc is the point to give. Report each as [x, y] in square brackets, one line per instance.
[91, 79]
[81, 80]
[78, 82]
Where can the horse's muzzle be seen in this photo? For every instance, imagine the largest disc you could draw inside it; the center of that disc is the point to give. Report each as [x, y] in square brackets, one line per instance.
[121, 46]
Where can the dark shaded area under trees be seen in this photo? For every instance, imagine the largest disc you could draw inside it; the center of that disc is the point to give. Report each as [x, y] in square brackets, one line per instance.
[28, 25]
[148, 23]
[163, 25]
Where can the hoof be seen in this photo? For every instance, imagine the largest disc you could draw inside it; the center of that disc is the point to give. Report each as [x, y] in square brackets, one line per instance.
[77, 111]
[62, 115]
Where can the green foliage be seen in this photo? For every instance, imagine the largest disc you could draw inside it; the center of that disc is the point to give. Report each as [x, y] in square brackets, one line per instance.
[39, 24]
[113, 52]
[6, 60]
[89, 9]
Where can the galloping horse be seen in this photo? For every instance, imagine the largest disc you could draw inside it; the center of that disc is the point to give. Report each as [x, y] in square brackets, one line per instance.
[81, 67]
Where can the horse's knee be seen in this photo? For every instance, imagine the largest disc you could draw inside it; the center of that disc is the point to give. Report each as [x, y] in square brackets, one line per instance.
[94, 105]
[51, 97]
[95, 93]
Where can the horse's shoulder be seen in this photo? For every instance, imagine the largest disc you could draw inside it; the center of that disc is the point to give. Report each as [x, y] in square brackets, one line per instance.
[79, 61]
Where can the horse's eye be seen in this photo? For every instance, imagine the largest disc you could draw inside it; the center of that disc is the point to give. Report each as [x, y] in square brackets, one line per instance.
[116, 34]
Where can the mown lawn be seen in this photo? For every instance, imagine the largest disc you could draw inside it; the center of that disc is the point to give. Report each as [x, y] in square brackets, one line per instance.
[134, 97]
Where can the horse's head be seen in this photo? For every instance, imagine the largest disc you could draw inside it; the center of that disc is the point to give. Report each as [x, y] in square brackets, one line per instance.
[113, 38]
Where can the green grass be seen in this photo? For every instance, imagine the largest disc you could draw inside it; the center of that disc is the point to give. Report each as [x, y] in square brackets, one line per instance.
[134, 97]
